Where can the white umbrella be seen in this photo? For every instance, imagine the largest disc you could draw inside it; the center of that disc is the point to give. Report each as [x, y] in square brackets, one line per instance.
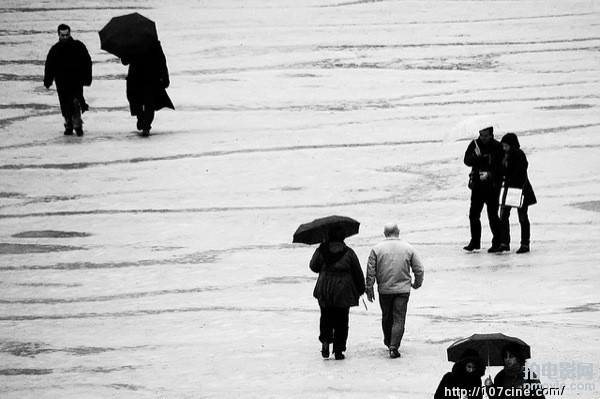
[468, 129]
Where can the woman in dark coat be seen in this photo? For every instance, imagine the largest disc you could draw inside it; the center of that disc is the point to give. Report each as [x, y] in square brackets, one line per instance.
[515, 175]
[465, 376]
[147, 79]
[512, 382]
[340, 284]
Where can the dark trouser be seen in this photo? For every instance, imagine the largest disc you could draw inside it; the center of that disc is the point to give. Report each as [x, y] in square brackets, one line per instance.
[393, 317]
[523, 221]
[141, 104]
[489, 198]
[72, 104]
[334, 327]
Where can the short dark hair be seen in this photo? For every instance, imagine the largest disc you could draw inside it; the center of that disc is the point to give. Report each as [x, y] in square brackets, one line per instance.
[63, 27]
[514, 350]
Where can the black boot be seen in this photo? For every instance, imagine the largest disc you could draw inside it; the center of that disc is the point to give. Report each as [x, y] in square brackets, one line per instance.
[79, 131]
[325, 350]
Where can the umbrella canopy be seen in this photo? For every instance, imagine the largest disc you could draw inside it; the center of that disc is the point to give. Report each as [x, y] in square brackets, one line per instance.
[315, 232]
[469, 128]
[128, 35]
[489, 347]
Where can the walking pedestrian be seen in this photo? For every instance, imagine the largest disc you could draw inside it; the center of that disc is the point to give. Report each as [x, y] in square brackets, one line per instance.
[340, 284]
[147, 79]
[69, 64]
[390, 264]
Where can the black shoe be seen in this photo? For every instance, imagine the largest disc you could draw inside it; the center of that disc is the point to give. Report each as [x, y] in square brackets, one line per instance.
[471, 247]
[499, 248]
[145, 133]
[325, 350]
[79, 131]
[494, 249]
[339, 356]
[394, 354]
[139, 125]
[523, 249]
[68, 132]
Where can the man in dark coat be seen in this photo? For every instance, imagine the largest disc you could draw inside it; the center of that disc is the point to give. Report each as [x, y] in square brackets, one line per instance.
[69, 64]
[147, 79]
[484, 156]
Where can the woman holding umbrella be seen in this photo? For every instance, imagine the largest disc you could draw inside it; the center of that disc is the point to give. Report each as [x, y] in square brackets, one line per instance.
[511, 381]
[515, 175]
[340, 284]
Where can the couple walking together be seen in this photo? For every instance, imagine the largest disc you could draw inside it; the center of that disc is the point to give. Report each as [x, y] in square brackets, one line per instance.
[341, 283]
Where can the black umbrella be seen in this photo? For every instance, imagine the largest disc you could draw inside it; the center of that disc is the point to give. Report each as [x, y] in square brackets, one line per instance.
[489, 347]
[128, 35]
[316, 231]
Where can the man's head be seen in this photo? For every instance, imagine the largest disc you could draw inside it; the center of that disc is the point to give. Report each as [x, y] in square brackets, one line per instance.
[391, 230]
[64, 32]
[486, 135]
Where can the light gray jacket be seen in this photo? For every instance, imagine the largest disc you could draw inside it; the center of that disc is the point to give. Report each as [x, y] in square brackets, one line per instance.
[390, 263]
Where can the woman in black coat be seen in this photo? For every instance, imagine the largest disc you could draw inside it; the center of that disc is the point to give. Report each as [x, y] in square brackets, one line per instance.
[147, 79]
[340, 284]
[515, 175]
[465, 378]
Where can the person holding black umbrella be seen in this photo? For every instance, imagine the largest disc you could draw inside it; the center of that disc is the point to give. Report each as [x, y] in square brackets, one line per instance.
[69, 65]
[512, 381]
[147, 79]
[339, 286]
[133, 38]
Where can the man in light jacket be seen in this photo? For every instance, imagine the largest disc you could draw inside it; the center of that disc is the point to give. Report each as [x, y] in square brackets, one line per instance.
[390, 264]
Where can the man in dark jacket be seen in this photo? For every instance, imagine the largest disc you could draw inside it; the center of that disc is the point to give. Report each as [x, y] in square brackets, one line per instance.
[147, 79]
[69, 64]
[484, 156]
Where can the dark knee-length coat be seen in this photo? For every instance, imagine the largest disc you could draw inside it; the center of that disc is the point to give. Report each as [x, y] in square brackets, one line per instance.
[69, 65]
[147, 79]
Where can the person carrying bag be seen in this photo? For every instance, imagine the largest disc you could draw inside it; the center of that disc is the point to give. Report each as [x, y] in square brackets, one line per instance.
[516, 193]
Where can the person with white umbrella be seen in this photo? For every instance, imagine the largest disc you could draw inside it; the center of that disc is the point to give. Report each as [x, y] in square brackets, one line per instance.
[484, 156]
